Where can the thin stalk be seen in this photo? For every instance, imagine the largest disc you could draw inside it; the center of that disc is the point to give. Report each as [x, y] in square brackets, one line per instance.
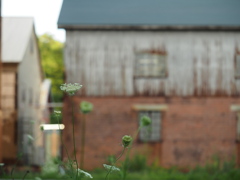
[83, 140]
[115, 163]
[128, 152]
[73, 134]
[25, 175]
[14, 168]
[69, 160]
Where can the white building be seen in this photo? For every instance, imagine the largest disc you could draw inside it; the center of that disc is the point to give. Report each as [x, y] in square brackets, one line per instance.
[22, 81]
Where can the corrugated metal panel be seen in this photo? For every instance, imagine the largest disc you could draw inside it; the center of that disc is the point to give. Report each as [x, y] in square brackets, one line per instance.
[150, 12]
[16, 32]
[199, 63]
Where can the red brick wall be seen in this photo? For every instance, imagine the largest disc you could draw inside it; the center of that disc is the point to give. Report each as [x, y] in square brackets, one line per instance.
[193, 129]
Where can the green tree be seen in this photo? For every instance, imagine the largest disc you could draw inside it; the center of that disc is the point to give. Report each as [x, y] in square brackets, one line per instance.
[52, 62]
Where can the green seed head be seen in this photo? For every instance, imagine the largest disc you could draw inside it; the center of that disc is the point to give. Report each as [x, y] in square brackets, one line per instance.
[86, 107]
[145, 121]
[126, 140]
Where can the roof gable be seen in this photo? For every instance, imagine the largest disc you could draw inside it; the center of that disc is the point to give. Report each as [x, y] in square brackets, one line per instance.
[149, 13]
[15, 37]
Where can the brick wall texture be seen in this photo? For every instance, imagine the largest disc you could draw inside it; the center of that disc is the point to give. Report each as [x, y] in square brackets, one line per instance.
[193, 129]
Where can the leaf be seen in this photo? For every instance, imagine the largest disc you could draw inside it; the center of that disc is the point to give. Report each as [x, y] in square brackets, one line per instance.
[84, 173]
[111, 168]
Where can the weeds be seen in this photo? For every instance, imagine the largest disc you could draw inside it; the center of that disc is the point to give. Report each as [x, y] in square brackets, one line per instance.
[214, 171]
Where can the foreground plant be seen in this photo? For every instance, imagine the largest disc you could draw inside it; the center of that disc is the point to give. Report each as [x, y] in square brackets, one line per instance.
[126, 141]
[145, 121]
[85, 107]
[72, 167]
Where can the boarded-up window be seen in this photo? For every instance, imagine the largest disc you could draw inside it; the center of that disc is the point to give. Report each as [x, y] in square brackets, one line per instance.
[152, 133]
[150, 64]
[237, 65]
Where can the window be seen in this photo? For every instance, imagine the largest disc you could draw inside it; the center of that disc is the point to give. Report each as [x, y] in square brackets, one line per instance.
[30, 96]
[150, 64]
[236, 109]
[153, 132]
[155, 112]
[237, 65]
[238, 127]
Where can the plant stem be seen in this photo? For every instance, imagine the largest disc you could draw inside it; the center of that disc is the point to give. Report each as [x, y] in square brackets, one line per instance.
[115, 163]
[14, 168]
[83, 140]
[73, 134]
[25, 175]
[128, 152]
[62, 139]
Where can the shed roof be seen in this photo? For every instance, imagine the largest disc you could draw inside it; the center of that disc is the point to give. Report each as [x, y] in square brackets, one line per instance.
[16, 32]
[187, 13]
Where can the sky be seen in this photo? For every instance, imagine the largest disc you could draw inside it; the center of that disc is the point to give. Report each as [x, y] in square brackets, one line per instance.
[44, 12]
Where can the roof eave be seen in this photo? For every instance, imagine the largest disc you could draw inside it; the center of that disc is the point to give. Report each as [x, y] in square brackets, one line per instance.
[149, 28]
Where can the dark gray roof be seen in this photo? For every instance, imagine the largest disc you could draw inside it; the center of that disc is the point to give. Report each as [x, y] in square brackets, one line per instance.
[80, 13]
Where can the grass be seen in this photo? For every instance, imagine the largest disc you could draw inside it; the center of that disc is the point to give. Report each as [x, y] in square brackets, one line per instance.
[208, 172]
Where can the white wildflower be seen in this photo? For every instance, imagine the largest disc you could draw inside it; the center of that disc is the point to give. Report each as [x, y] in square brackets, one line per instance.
[70, 88]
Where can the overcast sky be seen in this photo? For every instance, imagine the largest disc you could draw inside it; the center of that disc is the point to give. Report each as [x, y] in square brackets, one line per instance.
[44, 12]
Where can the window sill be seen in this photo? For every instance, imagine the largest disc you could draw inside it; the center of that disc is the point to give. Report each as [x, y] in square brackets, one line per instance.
[150, 107]
[149, 142]
[235, 108]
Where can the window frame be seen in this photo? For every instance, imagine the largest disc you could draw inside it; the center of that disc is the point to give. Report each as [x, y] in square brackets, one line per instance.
[161, 108]
[143, 133]
[236, 109]
[150, 54]
[236, 57]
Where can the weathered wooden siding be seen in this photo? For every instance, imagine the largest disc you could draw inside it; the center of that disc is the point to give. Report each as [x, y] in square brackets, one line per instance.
[199, 63]
[8, 100]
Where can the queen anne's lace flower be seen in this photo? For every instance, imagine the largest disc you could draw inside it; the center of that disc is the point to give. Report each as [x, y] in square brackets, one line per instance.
[57, 113]
[70, 88]
[111, 168]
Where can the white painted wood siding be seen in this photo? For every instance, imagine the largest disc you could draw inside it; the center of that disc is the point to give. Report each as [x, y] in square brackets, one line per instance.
[199, 63]
[29, 113]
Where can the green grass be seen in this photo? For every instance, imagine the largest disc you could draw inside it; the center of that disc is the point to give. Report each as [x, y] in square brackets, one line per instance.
[138, 170]
[152, 174]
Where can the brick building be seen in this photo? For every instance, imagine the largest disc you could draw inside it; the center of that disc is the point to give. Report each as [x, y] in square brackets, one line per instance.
[176, 61]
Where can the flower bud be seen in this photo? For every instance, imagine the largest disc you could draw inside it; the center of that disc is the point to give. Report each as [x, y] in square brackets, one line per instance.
[126, 140]
[86, 107]
[145, 121]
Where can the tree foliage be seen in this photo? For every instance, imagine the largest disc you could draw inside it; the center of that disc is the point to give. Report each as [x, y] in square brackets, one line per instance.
[52, 62]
